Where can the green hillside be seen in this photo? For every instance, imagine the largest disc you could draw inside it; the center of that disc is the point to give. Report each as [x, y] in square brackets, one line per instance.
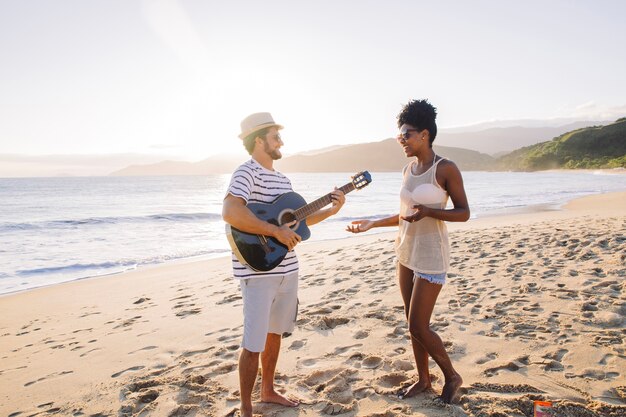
[591, 147]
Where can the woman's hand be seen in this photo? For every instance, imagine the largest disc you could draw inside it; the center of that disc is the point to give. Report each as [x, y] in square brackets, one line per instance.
[420, 212]
[359, 226]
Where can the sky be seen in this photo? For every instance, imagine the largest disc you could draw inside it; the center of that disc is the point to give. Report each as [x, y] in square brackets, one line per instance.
[173, 78]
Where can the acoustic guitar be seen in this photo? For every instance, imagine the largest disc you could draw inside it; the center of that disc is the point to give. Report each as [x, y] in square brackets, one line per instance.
[264, 253]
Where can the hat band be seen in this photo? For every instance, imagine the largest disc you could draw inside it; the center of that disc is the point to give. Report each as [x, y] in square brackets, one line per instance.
[257, 128]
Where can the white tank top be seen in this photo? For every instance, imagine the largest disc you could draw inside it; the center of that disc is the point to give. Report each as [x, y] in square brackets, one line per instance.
[423, 245]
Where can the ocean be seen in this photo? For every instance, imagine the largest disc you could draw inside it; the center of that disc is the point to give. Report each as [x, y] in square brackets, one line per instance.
[54, 230]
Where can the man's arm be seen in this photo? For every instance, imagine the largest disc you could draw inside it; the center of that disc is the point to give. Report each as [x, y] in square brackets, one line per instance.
[235, 213]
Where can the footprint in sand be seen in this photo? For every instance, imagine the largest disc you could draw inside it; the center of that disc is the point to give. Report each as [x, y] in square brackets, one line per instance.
[126, 323]
[512, 366]
[390, 383]
[487, 358]
[51, 376]
[185, 313]
[557, 356]
[297, 344]
[225, 353]
[372, 362]
[400, 350]
[402, 365]
[504, 388]
[134, 368]
[399, 331]
[83, 330]
[553, 365]
[142, 349]
[142, 303]
[217, 331]
[308, 363]
[187, 306]
[317, 312]
[229, 299]
[328, 323]
[439, 325]
[227, 338]
[321, 377]
[361, 334]
[196, 352]
[608, 319]
[142, 300]
[381, 315]
[606, 359]
[224, 368]
[590, 306]
[597, 374]
[82, 355]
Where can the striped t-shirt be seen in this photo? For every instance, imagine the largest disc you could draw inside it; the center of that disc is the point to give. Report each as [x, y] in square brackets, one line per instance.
[256, 184]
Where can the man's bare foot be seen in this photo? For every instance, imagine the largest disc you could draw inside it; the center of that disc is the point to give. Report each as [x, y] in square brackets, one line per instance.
[451, 389]
[415, 389]
[276, 398]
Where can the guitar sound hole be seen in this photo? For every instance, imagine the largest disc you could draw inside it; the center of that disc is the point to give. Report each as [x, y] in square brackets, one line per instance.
[287, 217]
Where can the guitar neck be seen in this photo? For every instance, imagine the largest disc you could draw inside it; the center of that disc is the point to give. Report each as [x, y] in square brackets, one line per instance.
[305, 211]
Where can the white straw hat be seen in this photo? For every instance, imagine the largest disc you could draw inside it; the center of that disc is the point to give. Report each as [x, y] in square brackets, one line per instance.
[256, 121]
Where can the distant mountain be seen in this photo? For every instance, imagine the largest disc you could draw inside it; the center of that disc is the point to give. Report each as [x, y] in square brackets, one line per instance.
[471, 150]
[381, 156]
[69, 165]
[591, 147]
[218, 164]
[496, 140]
[322, 150]
[159, 168]
[535, 123]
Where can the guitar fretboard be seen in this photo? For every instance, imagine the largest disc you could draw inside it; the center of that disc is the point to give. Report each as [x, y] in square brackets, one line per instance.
[305, 211]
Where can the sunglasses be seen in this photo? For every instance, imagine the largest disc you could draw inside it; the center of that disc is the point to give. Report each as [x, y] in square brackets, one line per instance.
[276, 136]
[405, 135]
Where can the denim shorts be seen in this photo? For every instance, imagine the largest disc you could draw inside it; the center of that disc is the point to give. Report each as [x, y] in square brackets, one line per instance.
[439, 279]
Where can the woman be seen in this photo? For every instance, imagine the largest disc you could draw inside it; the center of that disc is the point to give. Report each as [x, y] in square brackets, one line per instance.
[422, 246]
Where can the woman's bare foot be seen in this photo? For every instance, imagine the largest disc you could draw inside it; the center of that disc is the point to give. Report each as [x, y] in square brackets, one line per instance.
[243, 412]
[415, 389]
[451, 388]
[276, 398]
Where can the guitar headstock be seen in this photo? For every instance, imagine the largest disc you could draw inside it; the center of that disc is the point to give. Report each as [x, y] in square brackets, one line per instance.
[361, 179]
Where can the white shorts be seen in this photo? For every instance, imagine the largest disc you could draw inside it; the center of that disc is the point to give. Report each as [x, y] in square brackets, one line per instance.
[270, 305]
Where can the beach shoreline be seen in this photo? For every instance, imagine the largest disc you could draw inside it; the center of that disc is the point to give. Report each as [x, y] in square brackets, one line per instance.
[534, 309]
[524, 213]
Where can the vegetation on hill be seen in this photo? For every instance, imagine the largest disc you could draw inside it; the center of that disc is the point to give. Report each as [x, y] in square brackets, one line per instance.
[591, 147]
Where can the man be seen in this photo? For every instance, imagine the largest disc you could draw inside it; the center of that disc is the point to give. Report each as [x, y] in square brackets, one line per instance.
[270, 299]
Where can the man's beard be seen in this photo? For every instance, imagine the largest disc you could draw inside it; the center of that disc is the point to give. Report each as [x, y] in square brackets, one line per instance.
[275, 154]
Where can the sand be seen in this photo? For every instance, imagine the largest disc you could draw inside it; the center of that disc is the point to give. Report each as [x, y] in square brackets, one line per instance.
[534, 310]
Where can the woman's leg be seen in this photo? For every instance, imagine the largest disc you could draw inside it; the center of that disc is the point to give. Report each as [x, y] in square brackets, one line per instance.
[421, 308]
[405, 279]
